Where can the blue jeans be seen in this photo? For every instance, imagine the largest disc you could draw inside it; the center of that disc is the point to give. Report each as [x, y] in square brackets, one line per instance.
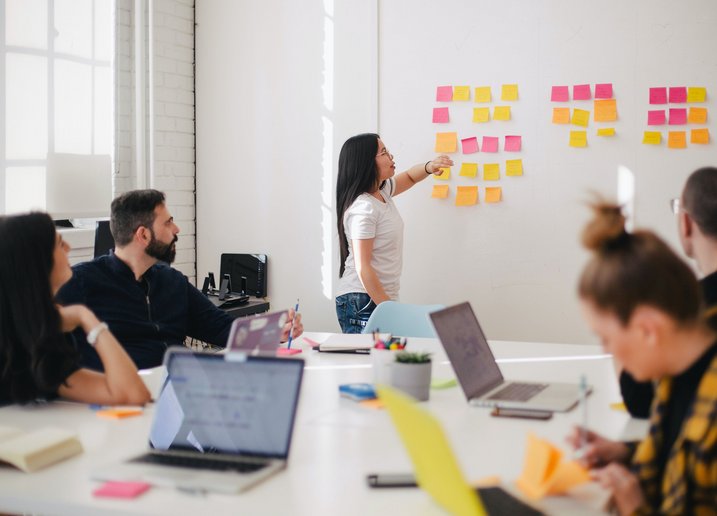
[353, 310]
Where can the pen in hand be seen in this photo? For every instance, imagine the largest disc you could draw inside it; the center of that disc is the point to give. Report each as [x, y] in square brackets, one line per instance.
[291, 329]
[584, 407]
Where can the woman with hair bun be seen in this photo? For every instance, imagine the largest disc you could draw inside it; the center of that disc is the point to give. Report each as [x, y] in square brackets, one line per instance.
[645, 305]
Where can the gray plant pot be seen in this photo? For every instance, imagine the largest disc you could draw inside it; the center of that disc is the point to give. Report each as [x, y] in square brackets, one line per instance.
[413, 379]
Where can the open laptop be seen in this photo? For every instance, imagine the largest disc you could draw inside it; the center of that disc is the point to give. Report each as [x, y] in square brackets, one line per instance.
[436, 467]
[479, 375]
[260, 334]
[222, 423]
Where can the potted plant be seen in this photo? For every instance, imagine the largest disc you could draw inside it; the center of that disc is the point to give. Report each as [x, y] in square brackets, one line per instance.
[412, 374]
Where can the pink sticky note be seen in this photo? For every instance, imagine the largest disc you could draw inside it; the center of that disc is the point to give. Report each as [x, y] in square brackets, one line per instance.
[513, 143]
[444, 93]
[678, 116]
[121, 489]
[490, 144]
[281, 352]
[656, 117]
[658, 95]
[581, 92]
[560, 94]
[603, 91]
[470, 145]
[678, 94]
[440, 115]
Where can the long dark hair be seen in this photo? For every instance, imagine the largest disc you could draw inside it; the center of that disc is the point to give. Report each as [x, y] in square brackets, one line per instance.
[357, 175]
[33, 350]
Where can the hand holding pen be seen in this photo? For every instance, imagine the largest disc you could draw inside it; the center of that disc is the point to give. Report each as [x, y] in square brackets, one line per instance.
[296, 318]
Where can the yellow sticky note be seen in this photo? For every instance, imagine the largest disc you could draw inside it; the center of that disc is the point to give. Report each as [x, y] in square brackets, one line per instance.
[482, 94]
[446, 142]
[481, 114]
[509, 92]
[696, 94]
[466, 195]
[501, 113]
[606, 131]
[514, 167]
[445, 174]
[697, 115]
[440, 192]
[580, 117]
[468, 170]
[461, 92]
[491, 172]
[618, 405]
[493, 194]
[605, 110]
[677, 139]
[700, 136]
[561, 115]
[578, 139]
[652, 138]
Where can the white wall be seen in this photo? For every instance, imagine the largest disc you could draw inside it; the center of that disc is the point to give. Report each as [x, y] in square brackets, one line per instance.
[267, 140]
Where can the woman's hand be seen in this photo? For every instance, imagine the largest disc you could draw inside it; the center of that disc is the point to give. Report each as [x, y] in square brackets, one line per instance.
[73, 316]
[624, 486]
[298, 327]
[597, 451]
[442, 161]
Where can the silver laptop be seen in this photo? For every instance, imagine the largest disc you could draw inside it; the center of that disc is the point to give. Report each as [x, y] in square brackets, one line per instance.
[257, 335]
[222, 423]
[479, 375]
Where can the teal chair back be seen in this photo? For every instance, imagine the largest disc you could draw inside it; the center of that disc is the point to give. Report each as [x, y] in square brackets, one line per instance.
[402, 319]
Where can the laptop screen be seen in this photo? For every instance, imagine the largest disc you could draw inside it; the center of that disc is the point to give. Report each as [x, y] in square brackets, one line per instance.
[261, 333]
[467, 348]
[228, 404]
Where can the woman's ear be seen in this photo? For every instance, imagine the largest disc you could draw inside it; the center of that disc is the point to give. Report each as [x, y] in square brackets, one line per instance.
[650, 324]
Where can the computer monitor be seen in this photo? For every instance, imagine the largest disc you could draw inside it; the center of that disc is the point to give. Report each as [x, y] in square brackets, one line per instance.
[104, 241]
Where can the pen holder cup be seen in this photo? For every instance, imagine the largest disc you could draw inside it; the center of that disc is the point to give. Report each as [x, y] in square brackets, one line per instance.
[383, 361]
[413, 379]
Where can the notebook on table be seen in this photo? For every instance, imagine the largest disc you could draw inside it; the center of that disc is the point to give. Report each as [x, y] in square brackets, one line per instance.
[479, 375]
[435, 465]
[222, 423]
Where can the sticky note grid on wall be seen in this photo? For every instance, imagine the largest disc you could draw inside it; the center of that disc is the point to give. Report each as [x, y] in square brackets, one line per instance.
[668, 106]
[604, 111]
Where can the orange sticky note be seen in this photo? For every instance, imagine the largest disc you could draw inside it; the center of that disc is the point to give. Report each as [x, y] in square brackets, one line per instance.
[697, 115]
[578, 139]
[466, 195]
[509, 92]
[652, 138]
[677, 139]
[561, 115]
[468, 170]
[606, 131]
[440, 192]
[461, 92]
[119, 413]
[446, 142]
[445, 174]
[491, 172]
[481, 114]
[482, 94]
[493, 194]
[605, 110]
[501, 113]
[696, 94]
[514, 167]
[701, 136]
[580, 117]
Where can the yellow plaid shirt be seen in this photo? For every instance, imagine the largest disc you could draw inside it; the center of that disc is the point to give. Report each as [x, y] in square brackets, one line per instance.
[689, 482]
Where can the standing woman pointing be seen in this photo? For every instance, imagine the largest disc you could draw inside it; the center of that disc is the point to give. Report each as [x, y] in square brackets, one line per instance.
[370, 227]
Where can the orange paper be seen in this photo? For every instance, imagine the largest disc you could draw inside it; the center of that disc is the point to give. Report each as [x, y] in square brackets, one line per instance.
[440, 192]
[561, 115]
[700, 136]
[677, 139]
[466, 195]
[119, 413]
[605, 110]
[493, 194]
[446, 142]
[697, 115]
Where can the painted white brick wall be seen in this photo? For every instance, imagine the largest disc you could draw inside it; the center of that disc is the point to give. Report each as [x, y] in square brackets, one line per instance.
[172, 79]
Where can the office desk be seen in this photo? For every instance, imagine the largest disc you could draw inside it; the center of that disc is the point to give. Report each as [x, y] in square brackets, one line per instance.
[336, 442]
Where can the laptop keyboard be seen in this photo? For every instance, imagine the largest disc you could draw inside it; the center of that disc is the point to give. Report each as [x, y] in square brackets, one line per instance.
[518, 391]
[497, 501]
[200, 463]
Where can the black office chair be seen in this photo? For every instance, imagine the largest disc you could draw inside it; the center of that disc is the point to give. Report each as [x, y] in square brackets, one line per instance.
[104, 242]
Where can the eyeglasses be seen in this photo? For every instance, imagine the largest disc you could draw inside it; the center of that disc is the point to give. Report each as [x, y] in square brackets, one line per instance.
[675, 205]
[384, 152]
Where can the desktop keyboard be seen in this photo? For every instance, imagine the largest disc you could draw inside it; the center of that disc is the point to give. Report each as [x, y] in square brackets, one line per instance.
[498, 501]
[199, 463]
[518, 391]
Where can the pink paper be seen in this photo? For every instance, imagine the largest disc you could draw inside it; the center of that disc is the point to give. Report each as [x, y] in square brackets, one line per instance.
[656, 117]
[440, 115]
[581, 92]
[658, 95]
[560, 94]
[490, 144]
[121, 489]
[678, 95]
[603, 91]
[444, 93]
[513, 143]
[470, 145]
[678, 116]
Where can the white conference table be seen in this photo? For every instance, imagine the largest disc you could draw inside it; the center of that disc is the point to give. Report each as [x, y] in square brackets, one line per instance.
[336, 442]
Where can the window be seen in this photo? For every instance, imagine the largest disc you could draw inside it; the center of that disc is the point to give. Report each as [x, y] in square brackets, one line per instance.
[57, 96]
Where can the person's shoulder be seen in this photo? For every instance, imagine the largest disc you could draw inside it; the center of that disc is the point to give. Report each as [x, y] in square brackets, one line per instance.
[91, 267]
[363, 204]
[166, 271]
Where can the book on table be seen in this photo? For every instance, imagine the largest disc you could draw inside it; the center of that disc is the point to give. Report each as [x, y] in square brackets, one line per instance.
[31, 451]
[350, 342]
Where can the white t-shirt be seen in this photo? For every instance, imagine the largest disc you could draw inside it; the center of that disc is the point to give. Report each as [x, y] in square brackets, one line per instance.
[366, 218]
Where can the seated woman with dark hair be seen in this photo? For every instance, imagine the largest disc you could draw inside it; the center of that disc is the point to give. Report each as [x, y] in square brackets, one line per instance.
[38, 360]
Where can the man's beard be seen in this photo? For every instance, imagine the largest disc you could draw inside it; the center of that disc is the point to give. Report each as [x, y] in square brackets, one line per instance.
[160, 251]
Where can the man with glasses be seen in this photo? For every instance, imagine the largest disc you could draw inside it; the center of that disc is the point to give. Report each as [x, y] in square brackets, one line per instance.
[696, 212]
